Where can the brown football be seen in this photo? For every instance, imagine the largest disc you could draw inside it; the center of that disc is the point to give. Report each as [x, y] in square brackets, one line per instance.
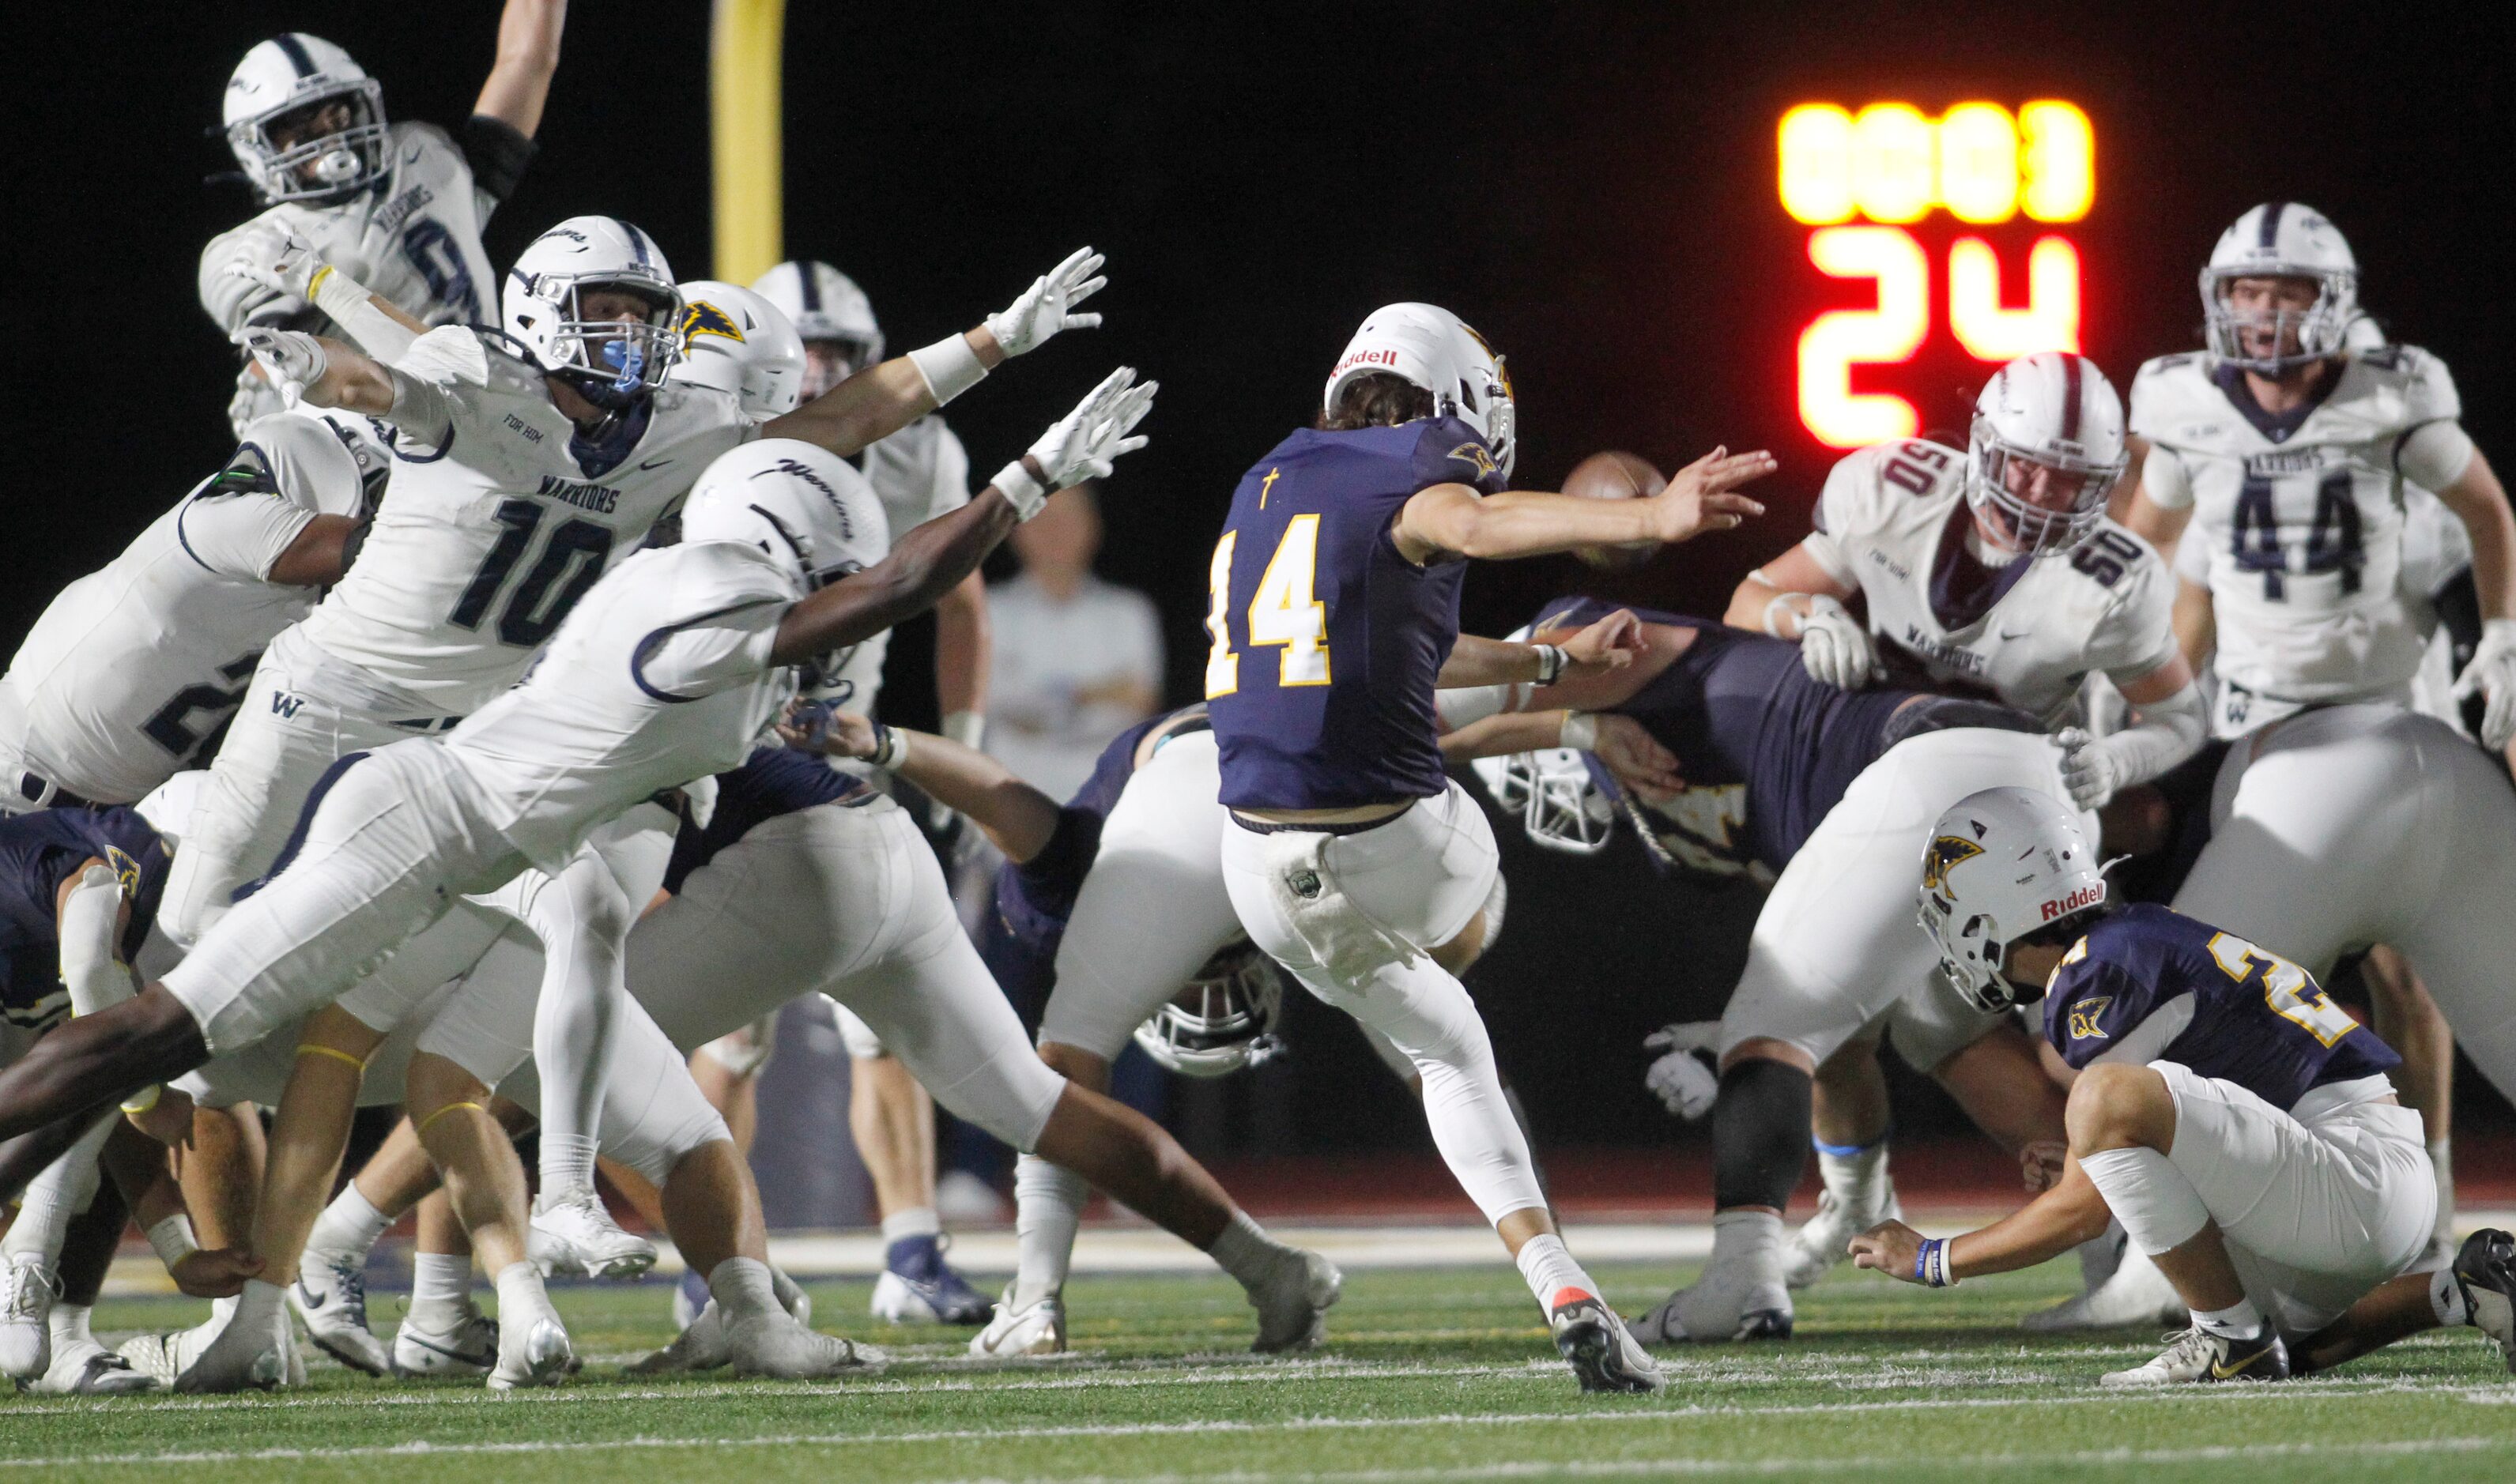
[1616, 475]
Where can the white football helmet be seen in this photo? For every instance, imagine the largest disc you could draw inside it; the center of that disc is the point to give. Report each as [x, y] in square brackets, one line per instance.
[824, 304]
[2056, 409]
[299, 459]
[1436, 350]
[738, 342]
[2002, 864]
[613, 362]
[1559, 803]
[2281, 239]
[286, 81]
[1221, 1020]
[803, 505]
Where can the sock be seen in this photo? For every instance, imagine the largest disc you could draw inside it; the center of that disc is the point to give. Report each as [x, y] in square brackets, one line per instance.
[2158, 1207]
[441, 1289]
[1748, 1242]
[348, 1228]
[521, 1299]
[2446, 1299]
[916, 1222]
[567, 1164]
[1856, 1174]
[1759, 1134]
[2239, 1320]
[1552, 1274]
[68, 1325]
[2101, 1256]
[742, 1290]
[1048, 1211]
[1246, 1252]
[2442, 1165]
[259, 1303]
[790, 1296]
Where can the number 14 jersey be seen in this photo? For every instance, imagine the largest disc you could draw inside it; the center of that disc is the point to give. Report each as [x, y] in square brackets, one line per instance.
[487, 541]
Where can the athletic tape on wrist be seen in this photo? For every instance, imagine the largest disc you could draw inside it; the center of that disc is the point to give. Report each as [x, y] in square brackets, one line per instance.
[949, 367]
[174, 1240]
[1016, 484]
[1551, 660]
[1580, 732]
[1778, 600]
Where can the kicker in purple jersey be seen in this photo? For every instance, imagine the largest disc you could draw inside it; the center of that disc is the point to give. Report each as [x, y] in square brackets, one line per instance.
[1765, 749]
[773, 781]
[2230, 1022]
[1035, 898]
[1365, 733]
[38, 853]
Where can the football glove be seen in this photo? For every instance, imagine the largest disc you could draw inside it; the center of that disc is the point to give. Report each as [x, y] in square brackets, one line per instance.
[1834, 647]
[1083, 445]
[291, 360]
[1048, 306]
[2090, 771]
[1683, 1079]
[2492, 672]
[277, 258]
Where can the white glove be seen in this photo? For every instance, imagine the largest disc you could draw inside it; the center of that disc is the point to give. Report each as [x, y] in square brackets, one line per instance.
[1681, 1079]
[1046, 307]
[290, 359]
[2090, 771]
[1834, 647]
[277, 258]
[1082, 445]
[2493, 674]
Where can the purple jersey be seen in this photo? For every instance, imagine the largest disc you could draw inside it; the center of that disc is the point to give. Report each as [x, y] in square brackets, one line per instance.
[1036, 898]
[38, 853]
[773, 781]
[1326, 640]
[2171, 989]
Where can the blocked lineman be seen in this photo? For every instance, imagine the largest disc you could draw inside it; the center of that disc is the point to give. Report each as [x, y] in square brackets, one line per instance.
[2239, 1124]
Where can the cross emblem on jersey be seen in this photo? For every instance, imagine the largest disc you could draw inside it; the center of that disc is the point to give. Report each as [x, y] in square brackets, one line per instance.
[1266, 484]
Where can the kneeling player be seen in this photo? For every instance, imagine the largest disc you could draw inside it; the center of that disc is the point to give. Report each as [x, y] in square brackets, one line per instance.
[2239, 1124]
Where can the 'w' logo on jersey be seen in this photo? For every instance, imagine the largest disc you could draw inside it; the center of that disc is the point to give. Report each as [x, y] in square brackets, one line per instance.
[284, 705]
[2084, 1018]
[705, 318]
[1945, 855]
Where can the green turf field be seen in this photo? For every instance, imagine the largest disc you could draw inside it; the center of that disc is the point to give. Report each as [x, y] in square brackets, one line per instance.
[1440, 1375]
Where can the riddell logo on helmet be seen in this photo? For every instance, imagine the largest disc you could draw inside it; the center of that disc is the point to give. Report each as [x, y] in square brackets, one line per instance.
[2085, 896]
[1366, 358]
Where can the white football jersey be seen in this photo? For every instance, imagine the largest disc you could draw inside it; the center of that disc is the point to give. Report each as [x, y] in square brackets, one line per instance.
[413, 237]
[484, 543]
[919, 473]
[2302, 518]
[663, 677]
[133, 668]
[1894, 522]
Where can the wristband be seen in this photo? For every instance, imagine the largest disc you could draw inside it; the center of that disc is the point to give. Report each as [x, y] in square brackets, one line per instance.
[1779, 599]
[347, 303]
[1551, 660]
[1931, 1264]
[1580, 732]
[174, 1240]
[949, 367]
[1016, 484]
[967, 727]
[890, 747]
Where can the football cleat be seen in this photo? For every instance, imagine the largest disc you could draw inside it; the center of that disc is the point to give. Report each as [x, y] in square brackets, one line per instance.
[27, 1288]
[1824, 1239]
[2136, 1294]
[163, 1357]
[1596, 1345]
[470, 1348]
[1037, 1328]
[774, 1346]
[330, 1298]
[2197, 1356]
[572, 1233]
[537, 1356]
[87, 1369]
[242, 1358]
[1725, 1304]
[1293, 1302]
[918, 1287]
[2485, 1268]
[700, 1346]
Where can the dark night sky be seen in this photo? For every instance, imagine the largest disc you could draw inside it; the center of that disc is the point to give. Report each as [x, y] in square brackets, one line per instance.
[1590, 185]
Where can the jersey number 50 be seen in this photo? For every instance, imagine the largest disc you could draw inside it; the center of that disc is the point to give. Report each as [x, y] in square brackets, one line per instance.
[1283, 612]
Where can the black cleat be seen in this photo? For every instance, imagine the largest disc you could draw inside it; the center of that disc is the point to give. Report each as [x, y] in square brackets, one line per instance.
[2485, 1269]
[1594, 1342]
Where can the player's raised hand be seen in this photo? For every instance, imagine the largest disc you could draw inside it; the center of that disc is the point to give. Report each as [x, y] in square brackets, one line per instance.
[2492, 672]
[1048, 305]
[820, 727]
[1700, 499]
[290, 360]
[1890, 1248]
[1682, 1078]
[1632, 755]
[1083, 445]
[269, 254]
[1610, 643]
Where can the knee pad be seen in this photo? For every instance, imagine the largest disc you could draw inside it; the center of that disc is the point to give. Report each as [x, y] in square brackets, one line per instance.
[1760, 1134]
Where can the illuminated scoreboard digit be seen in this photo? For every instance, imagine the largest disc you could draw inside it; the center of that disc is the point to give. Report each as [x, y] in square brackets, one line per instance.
[1862, 179]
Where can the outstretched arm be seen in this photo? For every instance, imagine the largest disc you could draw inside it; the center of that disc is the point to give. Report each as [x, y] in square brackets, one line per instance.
[520, 80]
[2045, 1227]
[1018, 818]
[1453, 520]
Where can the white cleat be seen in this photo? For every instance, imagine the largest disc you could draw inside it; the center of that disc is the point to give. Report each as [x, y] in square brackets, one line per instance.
[2137, 1294]
[2197, 1356]
[1719, 1306]
[27, 1288]
[1822, 1240]
[164, 1356]
[572, 1233]
[470, 1348]
[702, 1346]
[1293, 1303]
[331, 1299]
[1037, 1328]
[1599, 1348]
[89, 1369]
[540, 1357]
[240, 1358]
[776, 1346]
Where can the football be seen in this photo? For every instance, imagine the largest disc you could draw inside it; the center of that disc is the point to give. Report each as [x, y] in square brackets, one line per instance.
[1616, 475]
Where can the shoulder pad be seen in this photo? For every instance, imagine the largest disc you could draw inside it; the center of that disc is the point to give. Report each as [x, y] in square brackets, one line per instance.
[457, 352]
[2423, 380]
[411, 131]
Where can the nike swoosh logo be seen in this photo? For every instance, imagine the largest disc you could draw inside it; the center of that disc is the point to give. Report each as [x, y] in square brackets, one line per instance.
[2220, 1372]
[655, 464]
[2023, 633]
[411, 158]
[308, 1297]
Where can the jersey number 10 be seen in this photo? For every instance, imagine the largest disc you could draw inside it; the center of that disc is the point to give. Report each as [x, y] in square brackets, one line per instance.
[531, 613]
[1283, 612]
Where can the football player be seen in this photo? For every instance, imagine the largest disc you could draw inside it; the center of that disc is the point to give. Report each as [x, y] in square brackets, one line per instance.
[1352, 858]
[2239, 1124]
[1991, 569]
[398, 206]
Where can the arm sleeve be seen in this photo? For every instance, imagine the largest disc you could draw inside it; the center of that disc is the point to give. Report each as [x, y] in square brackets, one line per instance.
[240, 535]
[233, 303]
[713, 652]
[498, 153]
[2434, 455]
[430, 382]
[87, 934]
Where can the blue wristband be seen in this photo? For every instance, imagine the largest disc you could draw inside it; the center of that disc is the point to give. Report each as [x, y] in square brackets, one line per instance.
[1922, 1262]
